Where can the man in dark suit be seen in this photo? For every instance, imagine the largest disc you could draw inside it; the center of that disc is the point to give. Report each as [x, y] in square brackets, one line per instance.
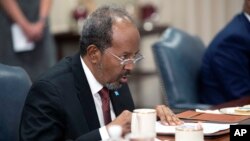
[67, 102]
[226, 64]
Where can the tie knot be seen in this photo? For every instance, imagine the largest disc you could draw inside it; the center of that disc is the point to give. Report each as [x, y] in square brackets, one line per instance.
[104, 93]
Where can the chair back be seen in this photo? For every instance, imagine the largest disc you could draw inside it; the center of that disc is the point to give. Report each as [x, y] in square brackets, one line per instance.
[14, 86]
[178, 57]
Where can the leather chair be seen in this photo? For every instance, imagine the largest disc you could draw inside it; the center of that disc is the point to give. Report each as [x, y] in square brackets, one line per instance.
[178, 57]
[14, 86]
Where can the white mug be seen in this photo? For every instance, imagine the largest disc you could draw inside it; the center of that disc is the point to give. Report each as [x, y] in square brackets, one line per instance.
[143, 122]
[188, 133]
[136, 137]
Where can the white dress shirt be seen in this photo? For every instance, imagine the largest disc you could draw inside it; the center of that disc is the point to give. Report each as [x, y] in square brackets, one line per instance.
[248, 16]
[95, 87]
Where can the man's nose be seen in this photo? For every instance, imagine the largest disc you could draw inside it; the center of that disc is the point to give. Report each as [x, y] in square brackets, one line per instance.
[129, 66]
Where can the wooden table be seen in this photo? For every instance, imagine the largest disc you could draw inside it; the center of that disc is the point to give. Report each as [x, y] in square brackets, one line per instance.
[225, 137]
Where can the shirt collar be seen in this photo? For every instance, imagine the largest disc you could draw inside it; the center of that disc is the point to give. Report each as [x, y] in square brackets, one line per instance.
[95, 86]
[247, 16]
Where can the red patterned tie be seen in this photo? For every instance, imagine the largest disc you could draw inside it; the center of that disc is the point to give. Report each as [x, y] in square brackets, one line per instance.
[104, 93]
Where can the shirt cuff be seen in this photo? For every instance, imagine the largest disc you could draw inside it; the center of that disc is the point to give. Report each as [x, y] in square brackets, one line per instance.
[104, 133]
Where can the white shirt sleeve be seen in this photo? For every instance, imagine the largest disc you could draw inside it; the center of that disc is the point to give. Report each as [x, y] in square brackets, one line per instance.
[104, 133]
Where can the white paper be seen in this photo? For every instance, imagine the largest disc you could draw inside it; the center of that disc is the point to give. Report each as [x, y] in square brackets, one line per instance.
[20, 41]
[208, 111]
[208, 128]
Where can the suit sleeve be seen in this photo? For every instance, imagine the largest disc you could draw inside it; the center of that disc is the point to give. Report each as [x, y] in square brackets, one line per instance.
[43, 117]
[231, 66]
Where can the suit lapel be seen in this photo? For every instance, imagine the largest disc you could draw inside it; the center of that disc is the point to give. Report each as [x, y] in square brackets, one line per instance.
[84, 94]
[121, 100]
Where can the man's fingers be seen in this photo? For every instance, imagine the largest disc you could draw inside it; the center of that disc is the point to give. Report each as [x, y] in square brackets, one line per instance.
[166, 116]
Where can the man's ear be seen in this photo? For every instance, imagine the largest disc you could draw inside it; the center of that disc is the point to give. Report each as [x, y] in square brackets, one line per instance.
[93, 53]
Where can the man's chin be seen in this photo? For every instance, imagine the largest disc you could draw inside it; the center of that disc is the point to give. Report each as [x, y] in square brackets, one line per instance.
[114, 86]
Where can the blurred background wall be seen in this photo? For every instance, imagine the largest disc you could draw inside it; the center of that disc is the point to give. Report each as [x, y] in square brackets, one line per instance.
[203, 18]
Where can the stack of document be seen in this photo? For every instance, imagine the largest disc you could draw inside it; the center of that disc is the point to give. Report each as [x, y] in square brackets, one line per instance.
[208, 128]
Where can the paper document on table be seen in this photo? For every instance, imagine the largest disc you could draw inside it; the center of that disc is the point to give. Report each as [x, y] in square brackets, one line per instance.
[20, 41]
[208, 128]
[208, 111]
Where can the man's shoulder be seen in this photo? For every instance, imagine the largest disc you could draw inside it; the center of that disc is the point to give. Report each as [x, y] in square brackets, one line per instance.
[233, 31]
[236, 27]
[62, 71]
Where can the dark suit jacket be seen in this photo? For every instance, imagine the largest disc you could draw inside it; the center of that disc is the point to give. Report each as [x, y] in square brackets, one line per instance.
[226, 64]
[60, 106]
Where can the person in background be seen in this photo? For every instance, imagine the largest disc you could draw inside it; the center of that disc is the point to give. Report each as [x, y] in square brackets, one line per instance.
[226, 63]
[32, 18]
[83, 95]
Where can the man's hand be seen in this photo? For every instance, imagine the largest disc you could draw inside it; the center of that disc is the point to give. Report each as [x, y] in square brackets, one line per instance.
[167, 117]
[124, 120]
